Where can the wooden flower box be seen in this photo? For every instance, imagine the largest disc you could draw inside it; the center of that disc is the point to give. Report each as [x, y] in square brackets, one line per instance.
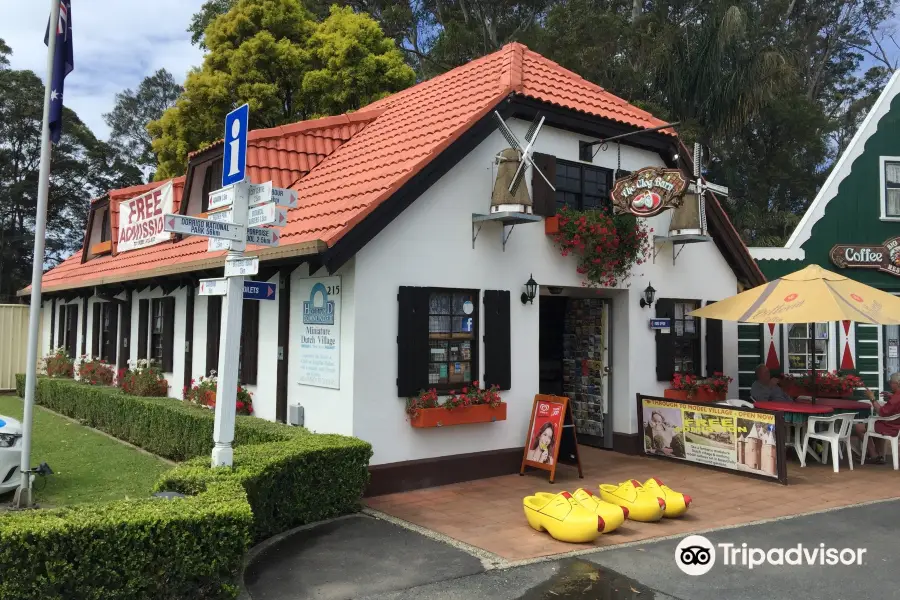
[464, 415]
[699, 396]
[551, 225]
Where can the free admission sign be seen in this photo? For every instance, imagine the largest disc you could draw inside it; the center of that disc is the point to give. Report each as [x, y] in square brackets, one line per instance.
[141, 222]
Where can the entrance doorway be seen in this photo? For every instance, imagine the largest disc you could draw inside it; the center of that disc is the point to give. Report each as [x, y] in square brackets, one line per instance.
[574, 361]
[891, 353]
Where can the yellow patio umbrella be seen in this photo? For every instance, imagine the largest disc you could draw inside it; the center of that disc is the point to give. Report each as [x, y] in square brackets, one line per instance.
[811, 295]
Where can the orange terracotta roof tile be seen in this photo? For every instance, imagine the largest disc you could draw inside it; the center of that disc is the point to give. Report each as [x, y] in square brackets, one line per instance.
[345, 166]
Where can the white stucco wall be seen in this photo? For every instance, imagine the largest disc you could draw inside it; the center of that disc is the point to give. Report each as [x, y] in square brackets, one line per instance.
[267, 368]
[327, 410]
[430, 244]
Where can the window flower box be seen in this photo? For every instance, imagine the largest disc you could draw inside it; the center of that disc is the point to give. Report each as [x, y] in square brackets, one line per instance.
[699, 396]
[461, 415]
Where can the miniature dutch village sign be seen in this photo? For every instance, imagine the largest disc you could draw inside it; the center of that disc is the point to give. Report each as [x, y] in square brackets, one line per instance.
[648, 192]
[884, 257]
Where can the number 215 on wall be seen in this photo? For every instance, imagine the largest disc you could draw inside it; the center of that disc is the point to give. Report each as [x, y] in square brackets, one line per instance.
[333, 290]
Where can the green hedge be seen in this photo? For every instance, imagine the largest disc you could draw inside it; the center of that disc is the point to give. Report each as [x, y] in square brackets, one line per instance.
[163, 426]
[289, 483]
[132, 549]
[188, 548]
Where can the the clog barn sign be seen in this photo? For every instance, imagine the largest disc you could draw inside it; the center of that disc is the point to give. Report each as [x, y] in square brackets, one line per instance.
[141, 219]
[648, 192]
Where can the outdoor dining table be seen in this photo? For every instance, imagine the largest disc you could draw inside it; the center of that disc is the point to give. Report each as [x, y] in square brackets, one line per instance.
[795, 415]
[862, 410]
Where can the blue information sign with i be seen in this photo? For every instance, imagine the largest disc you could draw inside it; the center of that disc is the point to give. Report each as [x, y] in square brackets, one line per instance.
[234, 161]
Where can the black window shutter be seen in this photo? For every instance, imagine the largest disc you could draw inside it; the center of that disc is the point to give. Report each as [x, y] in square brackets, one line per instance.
[249, 342]
[61, 327]
[497, 348]
[143, 327]
[112, 337]
[125, 338]
[714, 346]
[168, 333]
[543, 196]
[213, 330]
[72, 330]
[665, 342]
[412, 341]
[84, 320]
[95, 331]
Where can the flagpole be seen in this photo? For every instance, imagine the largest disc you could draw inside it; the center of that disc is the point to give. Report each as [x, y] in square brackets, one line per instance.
[23, 497]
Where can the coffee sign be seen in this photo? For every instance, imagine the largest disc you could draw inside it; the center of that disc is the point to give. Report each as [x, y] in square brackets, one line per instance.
[885, 257]
[648, 192]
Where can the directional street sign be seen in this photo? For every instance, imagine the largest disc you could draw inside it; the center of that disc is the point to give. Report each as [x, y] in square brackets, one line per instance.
[204, 227]
[234, 161]
[263, 193]
[262, 237]
[213, 287]
[259, 290]
[267, 214]
[253, 290]
[241, 266]
[221, 197]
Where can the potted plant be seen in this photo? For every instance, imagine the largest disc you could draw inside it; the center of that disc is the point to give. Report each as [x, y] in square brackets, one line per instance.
[713, 389]
[607, 246]
[682, 387]
[471, 405]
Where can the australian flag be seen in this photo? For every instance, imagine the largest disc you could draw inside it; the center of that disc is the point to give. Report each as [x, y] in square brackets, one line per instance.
[63, 64]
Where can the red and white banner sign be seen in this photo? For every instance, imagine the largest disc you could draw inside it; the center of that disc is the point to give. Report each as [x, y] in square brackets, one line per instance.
[141, 221]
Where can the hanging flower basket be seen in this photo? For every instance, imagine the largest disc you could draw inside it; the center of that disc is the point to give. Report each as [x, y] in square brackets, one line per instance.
[551, 225]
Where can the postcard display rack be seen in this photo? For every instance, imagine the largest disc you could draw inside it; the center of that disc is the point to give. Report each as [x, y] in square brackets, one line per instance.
[583, 364]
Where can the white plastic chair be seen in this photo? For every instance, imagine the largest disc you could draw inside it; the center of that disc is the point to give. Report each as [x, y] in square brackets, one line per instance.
[838, 431]
[737, 403]
[870, 432]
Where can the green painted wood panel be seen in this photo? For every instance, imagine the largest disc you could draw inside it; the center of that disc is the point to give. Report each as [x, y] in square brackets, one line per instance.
[853, 216]
[746, 348]
[748, 363]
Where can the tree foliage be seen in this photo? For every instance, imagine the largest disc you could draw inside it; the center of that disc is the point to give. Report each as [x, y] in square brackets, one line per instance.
[82, 167]
[133, 110]
[275, 55]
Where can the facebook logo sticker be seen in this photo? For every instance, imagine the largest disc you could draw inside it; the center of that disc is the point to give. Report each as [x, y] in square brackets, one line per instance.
[234, 162]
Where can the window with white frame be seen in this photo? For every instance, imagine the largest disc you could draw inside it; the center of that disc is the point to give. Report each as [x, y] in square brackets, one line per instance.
[798, 347]
[890, 185]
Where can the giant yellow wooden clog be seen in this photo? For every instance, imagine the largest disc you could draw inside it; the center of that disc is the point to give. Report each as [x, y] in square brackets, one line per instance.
[563, 517]
[642, 504]
[676, 503]
[612, 515]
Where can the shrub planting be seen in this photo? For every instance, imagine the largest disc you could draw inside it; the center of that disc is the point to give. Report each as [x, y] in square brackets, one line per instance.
[203, 393]
[145, 378]
[59, 364]
[94, 371]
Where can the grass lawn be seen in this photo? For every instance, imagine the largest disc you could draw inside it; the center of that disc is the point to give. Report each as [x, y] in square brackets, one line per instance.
[87, 466]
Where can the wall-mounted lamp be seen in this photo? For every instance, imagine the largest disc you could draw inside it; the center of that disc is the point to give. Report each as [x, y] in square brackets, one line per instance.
[530, 290]
[649, 295]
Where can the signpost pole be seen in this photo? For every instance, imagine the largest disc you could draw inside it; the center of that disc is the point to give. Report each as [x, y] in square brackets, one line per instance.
[234, 172]
[230, 344]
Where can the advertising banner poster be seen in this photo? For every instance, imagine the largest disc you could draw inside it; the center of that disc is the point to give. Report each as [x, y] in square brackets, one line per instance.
[141, 221]
[744, 440]
[320, 336]
[546, 430]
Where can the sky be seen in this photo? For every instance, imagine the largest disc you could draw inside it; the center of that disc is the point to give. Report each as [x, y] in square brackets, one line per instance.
[117, 44]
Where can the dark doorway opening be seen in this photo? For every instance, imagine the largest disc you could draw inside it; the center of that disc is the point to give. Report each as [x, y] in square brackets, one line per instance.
[550, 344]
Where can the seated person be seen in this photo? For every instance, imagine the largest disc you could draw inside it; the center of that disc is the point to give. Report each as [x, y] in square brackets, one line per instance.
[888, 409]
[766, 389]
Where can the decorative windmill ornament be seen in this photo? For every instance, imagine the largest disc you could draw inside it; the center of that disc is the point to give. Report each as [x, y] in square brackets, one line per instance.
[689, 220]
[509, 195]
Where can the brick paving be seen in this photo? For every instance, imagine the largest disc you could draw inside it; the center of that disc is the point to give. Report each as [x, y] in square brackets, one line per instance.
[488, 513]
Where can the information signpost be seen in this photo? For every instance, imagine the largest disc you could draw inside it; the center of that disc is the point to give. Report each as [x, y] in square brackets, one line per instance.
[248, 206]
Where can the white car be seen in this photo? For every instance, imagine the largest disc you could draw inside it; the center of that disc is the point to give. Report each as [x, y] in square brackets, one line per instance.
[10, 453]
